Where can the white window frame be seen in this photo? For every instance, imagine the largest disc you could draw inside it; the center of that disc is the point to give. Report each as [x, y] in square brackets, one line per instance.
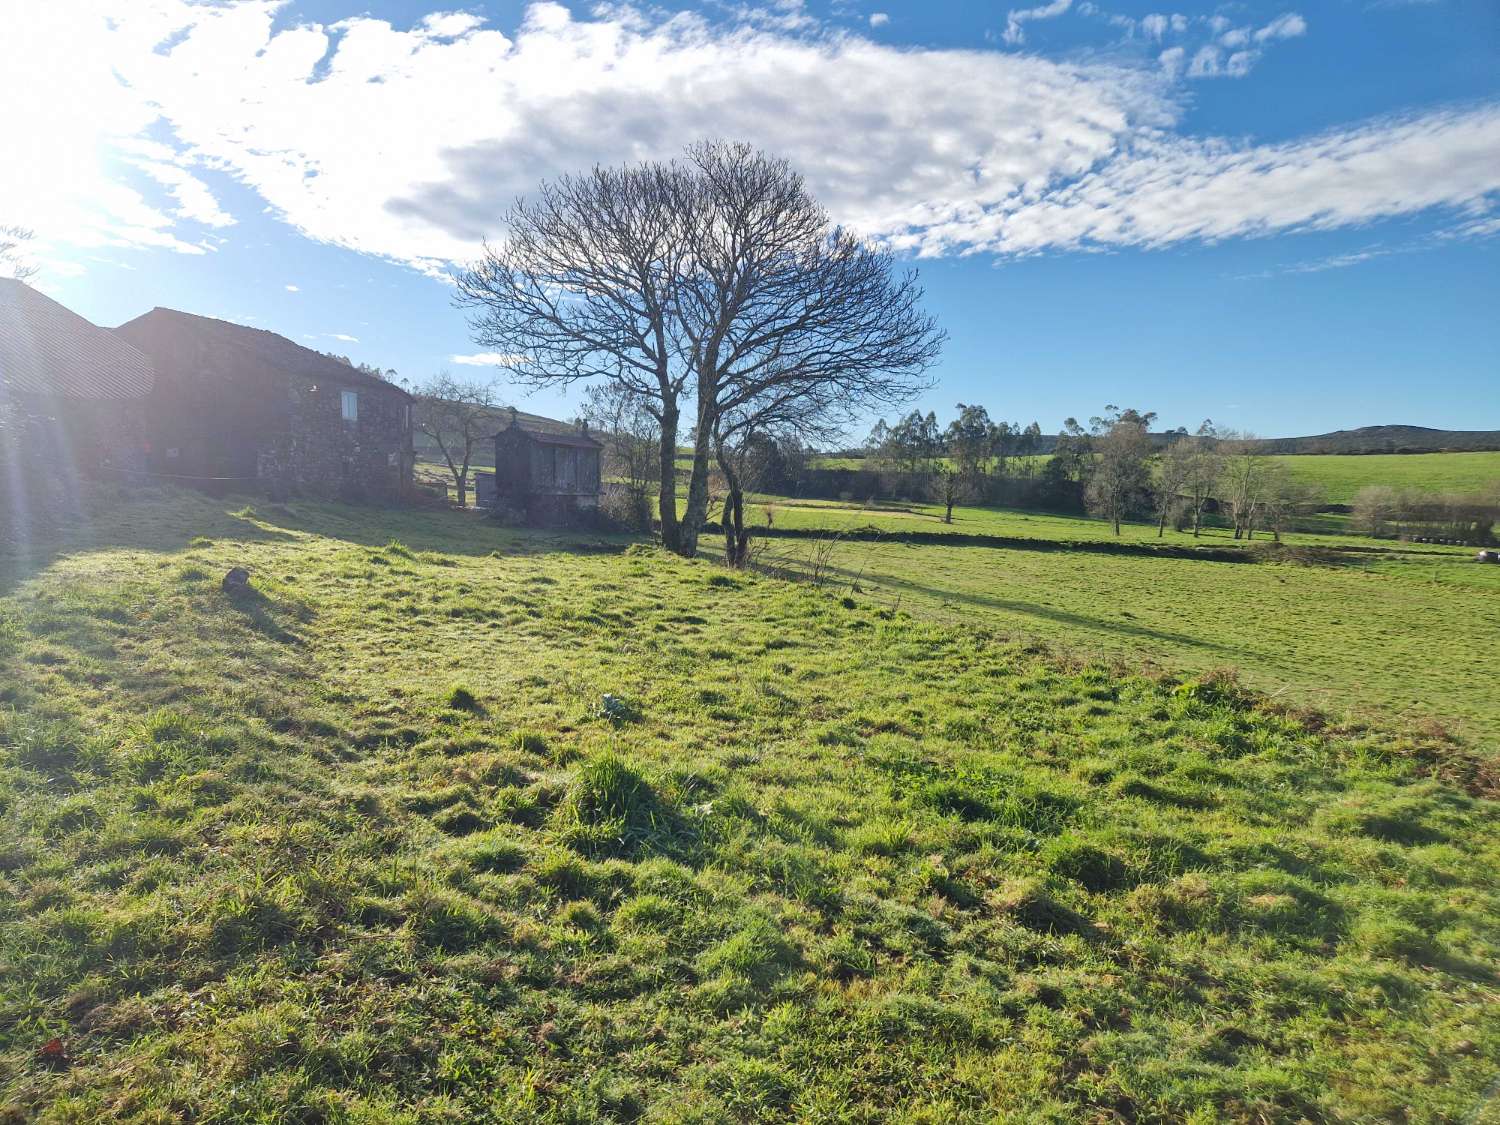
[349, 405]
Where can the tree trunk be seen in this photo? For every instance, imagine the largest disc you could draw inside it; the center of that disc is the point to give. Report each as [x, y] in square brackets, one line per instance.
[1161, 524]
[736, 541]
[948, 516]
[461, 481]
[1197, 518]
[667, 492]
[697, 499]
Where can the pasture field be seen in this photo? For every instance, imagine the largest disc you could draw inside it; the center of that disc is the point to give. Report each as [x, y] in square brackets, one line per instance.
[1342, 475]
[442, 822]
[1404, 631]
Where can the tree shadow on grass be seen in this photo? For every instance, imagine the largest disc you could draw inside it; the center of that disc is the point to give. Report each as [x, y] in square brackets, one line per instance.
[444, 531]
[165, 522]
[170, 520]
[1030, 609]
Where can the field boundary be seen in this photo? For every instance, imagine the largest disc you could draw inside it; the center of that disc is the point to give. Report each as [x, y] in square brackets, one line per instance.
[871, 534]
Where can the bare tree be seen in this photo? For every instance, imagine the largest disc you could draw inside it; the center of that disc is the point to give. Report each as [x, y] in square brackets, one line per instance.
[1174, 471]
[1121, 472]
[585, 285]
[13, 241]
[781, 305]
[1242, 481]
[716, 279]
[1375, 508]
[457, 416]
[631, 438]
[1284, 497]
[778, 415]
[949, 486]
[1204, 469]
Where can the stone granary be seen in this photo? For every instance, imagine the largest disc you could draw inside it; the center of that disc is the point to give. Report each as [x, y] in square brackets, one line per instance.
[545, 470]
[242, 406]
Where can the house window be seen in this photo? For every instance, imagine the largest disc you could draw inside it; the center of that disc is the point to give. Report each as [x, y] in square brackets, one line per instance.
[351, 406]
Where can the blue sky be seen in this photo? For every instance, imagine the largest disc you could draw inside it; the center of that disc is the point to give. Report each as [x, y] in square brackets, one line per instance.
[1285, 217]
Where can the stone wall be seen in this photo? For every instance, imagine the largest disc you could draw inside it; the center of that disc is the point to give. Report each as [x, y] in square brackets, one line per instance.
[50, 447]
[321, 454]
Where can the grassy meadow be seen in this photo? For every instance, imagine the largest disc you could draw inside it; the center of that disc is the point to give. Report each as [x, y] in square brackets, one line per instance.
[1342, 475]
[442, 822]
[1402, 632]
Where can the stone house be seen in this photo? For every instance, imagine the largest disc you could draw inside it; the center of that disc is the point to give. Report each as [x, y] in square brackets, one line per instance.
[237, 405]
[72, 400]
[544, 468]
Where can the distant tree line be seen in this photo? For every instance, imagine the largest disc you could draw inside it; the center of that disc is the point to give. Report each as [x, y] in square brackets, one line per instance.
[1388, 513]
[1115, 467]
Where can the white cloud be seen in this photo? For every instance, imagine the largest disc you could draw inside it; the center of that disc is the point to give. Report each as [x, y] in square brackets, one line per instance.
[408, 144]
[294, 289]
[487, 359]
[1169, 190]
[879, 19]
[1016, 17]
[342, 336]
[1205, 63]
[76, 168]
[1289, 25]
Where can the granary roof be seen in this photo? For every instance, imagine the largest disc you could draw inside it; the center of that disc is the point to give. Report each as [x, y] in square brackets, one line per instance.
[239, 347]
[49, 350]
[549, 431]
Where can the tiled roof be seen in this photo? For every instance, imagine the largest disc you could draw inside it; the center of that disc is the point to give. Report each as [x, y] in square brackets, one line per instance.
[160, 331]
[46, 349]
[549, 431]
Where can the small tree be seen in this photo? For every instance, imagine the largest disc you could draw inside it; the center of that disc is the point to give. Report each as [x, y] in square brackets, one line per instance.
[1174, 472]
[1121, 474]
[1242, 480]
[1284, 497]
[949, 486]
[631, 437]
[457, 416]
[1203, 471]
[1374, 509]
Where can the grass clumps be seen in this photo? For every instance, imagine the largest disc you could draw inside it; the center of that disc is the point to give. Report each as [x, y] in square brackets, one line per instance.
[611, 809]
[840, 867]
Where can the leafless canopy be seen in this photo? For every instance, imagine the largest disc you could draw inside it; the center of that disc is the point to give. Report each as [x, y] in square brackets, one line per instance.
[716, 279]
[585, 285]
[458, 417]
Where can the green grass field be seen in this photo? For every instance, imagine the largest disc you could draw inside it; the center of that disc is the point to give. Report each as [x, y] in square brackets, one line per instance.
[1401, 632]
[1342, 475]
[448, 823]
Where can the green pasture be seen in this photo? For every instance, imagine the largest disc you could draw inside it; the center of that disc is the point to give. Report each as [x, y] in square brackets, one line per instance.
[443, 822]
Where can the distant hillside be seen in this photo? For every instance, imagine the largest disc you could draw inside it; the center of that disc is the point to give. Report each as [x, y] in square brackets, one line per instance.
[1389, 439]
